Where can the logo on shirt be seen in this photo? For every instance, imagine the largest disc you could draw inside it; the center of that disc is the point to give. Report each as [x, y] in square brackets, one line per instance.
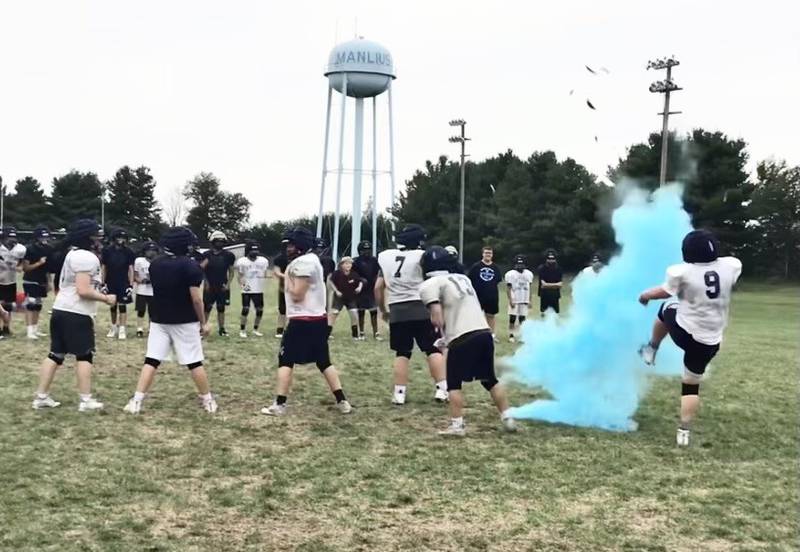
[486, 274]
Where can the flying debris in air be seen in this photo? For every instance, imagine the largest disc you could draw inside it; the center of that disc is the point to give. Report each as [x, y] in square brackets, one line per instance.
[592, 71]
[595, 138]
[493, 189]
[606, 71]
[590, 104]
[571, 92]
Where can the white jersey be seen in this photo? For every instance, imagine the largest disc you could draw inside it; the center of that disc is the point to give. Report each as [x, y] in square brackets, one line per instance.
[9, 260]
[590, 272]
[403, 274]
[520, 284]
[313, 304]
[141, 268]
[253, 274]
[462, 311]
[704, 294]
[77, 261]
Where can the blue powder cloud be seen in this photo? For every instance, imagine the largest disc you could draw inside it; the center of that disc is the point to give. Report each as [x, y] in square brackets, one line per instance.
[587, 360]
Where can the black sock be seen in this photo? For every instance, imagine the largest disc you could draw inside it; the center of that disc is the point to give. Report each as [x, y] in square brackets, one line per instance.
[354, 330]
[242, 326]
[280, 400]
[279, 331]
[339, 394]
[373, 318]
[361, 316]
[330, 330]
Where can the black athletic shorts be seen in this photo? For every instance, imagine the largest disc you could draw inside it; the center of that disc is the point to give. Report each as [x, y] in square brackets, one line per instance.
[8, 294]
[120, 290]
[469, 358]
[490, 304]
[548, 301]
[696, 356]
[305, 342]
[71, 333]
[339, 304]
[281, 302]
[402, 336]
[366, 300]
[34, 290]
[216, 296]
[143, 304]
[256, 298]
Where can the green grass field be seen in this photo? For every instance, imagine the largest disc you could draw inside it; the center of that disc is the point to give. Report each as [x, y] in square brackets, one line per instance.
[176, 478]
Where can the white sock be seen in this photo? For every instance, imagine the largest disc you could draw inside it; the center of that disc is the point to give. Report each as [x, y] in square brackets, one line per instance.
[457, 421]
[400, 389]
[85, 398]
[206, 397]
[441, 385]
[42, 395]
[138, 396]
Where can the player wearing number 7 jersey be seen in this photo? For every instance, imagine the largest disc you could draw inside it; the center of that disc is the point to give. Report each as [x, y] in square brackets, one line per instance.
[702, 285]
[397, 286]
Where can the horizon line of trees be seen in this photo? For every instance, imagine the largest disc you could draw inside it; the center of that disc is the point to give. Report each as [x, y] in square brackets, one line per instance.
[519, 206]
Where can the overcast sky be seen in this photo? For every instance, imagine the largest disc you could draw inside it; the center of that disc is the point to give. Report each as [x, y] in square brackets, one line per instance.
[236, 87]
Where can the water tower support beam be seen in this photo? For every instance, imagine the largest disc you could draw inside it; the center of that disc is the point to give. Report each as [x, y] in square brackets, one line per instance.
[391, 152]
[324, 163]
[335, 251]
[358, 163]
[374, 178]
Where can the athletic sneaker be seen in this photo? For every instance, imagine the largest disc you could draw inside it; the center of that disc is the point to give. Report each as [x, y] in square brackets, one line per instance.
[32, 334]
[378, 337]
[210, 405]
[511, 339]
[344, 407]
[139, 332]
[133, 406]
[455, 430]
[89, 405]
[257, 333]
[112, 332]
[510, 425]
[223, 332]
[243, 334]
[40, 333]
[46, 402]
[278, 335]
[494, 338]
[648, 354]
[122, 333]
[399, 398]
[682, 437]
[274, 409]
[441, 395]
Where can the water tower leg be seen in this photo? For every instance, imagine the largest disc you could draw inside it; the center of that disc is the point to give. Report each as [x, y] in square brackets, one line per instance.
[391, 153]
[357, 173]
[374, 178]
[324, 163]
[335, 251]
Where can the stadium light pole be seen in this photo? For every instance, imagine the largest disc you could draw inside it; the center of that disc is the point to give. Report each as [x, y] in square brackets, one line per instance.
[664, 87]
[462, 139]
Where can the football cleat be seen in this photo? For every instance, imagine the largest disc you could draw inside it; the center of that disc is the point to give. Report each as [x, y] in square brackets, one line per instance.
[133, 407]
[454, 430]
[648, 354]
[441, 395]
[223, 332]
[511, 339]
[682, 437]
[510, 425]
[243, 334]
[210, 405]
[274, 409]
[122, 333]
[344, 407]
[399, 398]
[140, 332]
[90, 404]
[45, 402]
[257, 333]
[112, 332]
[378, 337]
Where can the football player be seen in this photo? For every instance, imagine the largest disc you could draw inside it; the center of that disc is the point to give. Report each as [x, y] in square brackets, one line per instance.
[117, 261]
[346, 284]
[177, 319]
[11, 255]
[550, 282]
[456, 312]
[144, 289]
[280, 262]
[518, 289]
[218, 265]
[306, 337]
[36, 280]
[485, 276]
[397, 295]
[251, 271]
[694, 315]
[74, 309]
[367, 267]
[594, 267]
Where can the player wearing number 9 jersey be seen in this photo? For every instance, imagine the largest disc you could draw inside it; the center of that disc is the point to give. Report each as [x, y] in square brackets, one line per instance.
[695, 316]
[397, 295]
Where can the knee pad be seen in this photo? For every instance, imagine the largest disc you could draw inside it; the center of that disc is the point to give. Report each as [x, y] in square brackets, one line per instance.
[8, 306]
[522, 319]
[58, 359]
[489, 384]
[690, 389]
[691, 378]
[512, 319]
[123, 308]
[245, 311]
[404, 354]
[259, 312]
[152, 362]
[33, 306]
[85, 357]
[140, 313]
[194, 365]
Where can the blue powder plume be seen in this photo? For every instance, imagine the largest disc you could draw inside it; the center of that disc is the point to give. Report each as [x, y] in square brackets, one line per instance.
[587, 360]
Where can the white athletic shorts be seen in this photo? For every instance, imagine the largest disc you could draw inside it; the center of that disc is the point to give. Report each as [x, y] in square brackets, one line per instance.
[520, 309]
[184, 339]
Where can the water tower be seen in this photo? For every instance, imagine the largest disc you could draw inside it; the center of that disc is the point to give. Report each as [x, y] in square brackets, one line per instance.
[357, 69]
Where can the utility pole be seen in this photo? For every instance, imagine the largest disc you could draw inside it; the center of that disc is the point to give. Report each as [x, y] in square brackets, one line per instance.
[664, 87]
[462, 139]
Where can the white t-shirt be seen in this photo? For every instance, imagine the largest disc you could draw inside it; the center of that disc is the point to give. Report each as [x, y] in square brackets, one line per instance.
[141, 268]
[254, 273]
[704, 294]
[589, 271]
[462, 311]
[520, 283]
[313, 304]
[8, 263]
[403, 274]
[77, 261]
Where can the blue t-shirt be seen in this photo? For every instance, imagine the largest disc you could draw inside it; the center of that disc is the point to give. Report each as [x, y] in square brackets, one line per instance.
[171, 278]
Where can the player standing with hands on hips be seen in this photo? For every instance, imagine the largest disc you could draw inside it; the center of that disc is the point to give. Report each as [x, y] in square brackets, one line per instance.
[456, 312]
[74, 309]
[698, 293]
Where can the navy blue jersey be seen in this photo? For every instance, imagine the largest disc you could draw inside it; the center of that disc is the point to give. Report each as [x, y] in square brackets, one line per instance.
[171, 278]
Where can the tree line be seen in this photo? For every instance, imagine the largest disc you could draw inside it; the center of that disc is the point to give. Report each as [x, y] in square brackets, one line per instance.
[519, 206]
